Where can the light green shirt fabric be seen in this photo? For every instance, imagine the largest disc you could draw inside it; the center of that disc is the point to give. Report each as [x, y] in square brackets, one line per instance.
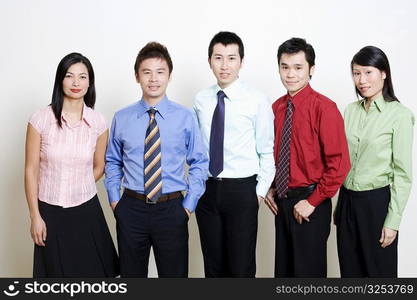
[380, 143]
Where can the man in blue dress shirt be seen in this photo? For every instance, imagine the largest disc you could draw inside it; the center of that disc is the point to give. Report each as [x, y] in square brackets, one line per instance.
[236, 123]
[150, 142]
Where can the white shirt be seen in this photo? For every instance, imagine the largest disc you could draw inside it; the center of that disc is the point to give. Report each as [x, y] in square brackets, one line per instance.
[248, 132]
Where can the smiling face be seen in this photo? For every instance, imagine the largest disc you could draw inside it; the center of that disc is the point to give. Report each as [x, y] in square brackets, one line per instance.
[294, 71]
[368, 80]
[225, 63]
[76, 82]
[153, 77]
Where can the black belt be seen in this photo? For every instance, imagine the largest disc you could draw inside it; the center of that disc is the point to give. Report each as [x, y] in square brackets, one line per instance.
[296, 192]
[163, 198]
[231, 179]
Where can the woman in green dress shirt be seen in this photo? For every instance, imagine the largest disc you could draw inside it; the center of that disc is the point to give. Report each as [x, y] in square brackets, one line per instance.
[379, 130]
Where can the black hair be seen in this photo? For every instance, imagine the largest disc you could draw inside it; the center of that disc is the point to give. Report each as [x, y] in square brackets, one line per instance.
[226, 38]
[58, 92]
[295, 45]
[153, 50]
[375, 57]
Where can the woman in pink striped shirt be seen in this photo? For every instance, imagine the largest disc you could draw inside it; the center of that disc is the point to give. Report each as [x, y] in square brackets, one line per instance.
[65, 156]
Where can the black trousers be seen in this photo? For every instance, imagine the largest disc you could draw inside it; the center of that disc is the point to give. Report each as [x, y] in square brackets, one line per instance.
[360, 218]
[164, 226]
[227, 217]
[301, 249]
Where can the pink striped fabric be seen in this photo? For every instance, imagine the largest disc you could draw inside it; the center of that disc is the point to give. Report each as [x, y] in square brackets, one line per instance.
[66, 156]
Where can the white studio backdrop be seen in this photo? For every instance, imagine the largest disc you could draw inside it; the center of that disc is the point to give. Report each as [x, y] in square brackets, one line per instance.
[35, 35]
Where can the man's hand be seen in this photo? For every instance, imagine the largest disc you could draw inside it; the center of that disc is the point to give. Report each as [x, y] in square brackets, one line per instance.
[388, 235]
[188, 212]
[302, 210]
[260, 199]
[269, 200]
[113, 204]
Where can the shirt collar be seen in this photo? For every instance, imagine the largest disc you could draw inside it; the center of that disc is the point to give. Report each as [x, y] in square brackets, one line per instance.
[87, 115]
[232, 91]
[300, 96]
[162, 107]
[379, 103]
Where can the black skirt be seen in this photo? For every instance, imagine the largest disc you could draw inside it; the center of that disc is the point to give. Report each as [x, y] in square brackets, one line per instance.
[78, 243]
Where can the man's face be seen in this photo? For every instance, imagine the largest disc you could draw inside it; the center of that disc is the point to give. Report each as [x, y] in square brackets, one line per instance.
[294, 71]
[225, 63]
[153, 77]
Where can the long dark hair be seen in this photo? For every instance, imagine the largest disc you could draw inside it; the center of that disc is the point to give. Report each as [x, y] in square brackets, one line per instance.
[61, 71]
[375, 57]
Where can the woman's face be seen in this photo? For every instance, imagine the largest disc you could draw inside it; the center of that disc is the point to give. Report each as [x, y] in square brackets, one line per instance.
[76, 82]
[368, 80]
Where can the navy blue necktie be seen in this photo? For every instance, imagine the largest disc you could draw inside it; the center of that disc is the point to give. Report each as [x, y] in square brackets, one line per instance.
[217, 137]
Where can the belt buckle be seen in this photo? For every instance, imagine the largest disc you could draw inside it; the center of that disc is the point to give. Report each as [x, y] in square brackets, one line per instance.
[218, 178]
[148, 201]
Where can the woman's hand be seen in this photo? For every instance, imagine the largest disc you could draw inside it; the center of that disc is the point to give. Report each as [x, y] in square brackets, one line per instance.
[388, 235]
[38, 231]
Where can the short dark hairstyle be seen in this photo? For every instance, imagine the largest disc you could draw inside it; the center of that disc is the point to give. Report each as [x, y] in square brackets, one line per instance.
[226, 38]
[375, 57]
[58, 92]
[295, 45]
[153, 50]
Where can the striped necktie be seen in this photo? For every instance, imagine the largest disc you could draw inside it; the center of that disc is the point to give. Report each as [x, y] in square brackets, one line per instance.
[283, 167]
[152, 160]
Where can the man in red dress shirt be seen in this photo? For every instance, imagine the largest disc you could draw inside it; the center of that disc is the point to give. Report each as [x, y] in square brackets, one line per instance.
[312, 161]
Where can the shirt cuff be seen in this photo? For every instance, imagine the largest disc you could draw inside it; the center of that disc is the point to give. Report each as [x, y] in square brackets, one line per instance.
[188, 203]
[315, 198]
[262, 189]
[392, 220]
[114, 195]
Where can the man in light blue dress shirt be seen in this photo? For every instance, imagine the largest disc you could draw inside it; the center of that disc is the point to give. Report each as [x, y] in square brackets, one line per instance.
[236, 123]
[150, 143]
